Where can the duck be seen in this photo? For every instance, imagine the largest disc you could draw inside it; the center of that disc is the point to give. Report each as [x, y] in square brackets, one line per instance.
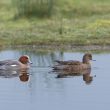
[22, 63]
[74, 65]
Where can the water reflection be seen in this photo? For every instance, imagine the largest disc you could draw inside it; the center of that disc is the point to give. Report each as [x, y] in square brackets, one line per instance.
[42, 58]
[23, 74]
[86, 74]
[41, 86]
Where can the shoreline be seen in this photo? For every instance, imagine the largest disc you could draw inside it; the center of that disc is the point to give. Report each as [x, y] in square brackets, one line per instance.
[62, 47]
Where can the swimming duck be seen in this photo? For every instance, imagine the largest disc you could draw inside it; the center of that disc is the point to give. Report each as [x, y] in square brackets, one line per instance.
[73, 65]
[22, 63]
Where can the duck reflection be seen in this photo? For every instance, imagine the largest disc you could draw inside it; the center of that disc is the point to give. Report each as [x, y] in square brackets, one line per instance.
[22, 74]
[86, 74]
[87, 78]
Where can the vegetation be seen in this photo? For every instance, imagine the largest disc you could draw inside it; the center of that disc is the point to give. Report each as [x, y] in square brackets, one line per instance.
[29, 8]
[73, 22]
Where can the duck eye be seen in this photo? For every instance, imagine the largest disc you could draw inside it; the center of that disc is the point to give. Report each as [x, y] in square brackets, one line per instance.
[90, 56]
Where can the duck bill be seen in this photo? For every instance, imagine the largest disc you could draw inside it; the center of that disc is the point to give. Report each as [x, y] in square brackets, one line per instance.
[29, 62]
[93, 60]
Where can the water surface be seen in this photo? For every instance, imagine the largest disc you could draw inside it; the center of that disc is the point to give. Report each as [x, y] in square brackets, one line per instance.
[43, 91]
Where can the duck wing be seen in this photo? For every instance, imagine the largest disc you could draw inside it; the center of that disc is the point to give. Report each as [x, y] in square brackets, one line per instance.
[70, 62]
[8, 62]
[60, 67]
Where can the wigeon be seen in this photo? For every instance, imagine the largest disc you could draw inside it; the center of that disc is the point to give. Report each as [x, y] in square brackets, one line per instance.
[73, 65]
[22, 63]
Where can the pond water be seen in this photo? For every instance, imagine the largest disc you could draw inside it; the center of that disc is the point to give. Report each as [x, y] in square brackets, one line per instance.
[44, 91]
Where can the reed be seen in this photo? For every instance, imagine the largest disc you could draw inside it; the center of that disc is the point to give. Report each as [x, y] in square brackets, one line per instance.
[31, 8]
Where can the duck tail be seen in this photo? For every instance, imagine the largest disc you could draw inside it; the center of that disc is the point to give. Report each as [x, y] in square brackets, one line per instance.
[56, 68]
[59, 62]
[56, 61]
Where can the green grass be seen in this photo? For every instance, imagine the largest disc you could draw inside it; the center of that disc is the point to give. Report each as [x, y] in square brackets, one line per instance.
[74, 22]
[31, 8]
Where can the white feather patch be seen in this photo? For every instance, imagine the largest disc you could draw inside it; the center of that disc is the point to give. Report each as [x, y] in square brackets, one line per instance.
[13, 65]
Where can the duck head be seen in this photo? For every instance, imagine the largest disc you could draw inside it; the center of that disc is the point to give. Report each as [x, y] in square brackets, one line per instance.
[25, 59]
[86, 58]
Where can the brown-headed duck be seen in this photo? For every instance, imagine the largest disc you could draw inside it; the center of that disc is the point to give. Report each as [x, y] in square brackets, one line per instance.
[22, 63]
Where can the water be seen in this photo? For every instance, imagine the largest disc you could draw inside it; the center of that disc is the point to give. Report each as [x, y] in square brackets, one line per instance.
[43, 91]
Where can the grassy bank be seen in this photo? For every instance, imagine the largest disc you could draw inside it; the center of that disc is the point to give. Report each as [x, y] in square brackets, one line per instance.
[74, 22]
